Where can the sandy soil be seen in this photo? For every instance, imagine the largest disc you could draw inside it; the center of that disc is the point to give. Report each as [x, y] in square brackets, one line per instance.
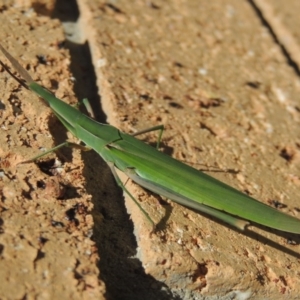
[222, 76]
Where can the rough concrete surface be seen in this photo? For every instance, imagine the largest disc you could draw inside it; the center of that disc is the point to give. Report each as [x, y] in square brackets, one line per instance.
[223, 78]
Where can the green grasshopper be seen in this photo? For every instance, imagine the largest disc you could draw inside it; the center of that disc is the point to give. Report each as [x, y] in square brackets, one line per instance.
[157, 171]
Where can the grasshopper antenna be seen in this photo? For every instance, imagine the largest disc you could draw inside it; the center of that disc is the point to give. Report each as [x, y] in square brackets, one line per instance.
[24, 74]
